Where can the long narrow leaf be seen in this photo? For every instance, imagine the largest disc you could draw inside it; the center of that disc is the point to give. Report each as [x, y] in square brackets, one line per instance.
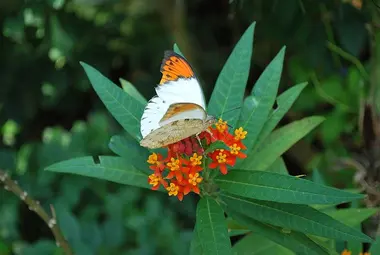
[109, 168]
[212, 227]
[352, 216]
[279, 142]
[195, 245]
[278, 166]
[281, 188]
[293, 240]
[258, 105]
[125, 108]
[296, 217]
[375, 247]
[132, 91]
[284, 102]
[130, 150]
[255, 244]
[229, 88]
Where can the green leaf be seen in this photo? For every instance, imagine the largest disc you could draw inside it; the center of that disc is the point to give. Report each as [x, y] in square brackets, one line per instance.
[352, 216]
[255, 244]
[216, 145]
[128, 148]
[109, 168]
[375, 247]
[195, 245]
[177, 50]
[278, 166]
[293, 240]
[259, 104]
[212, 227]
[281, 188]
[132, 91]
[284, 102]
[296, 217]
[126, 109]
[230, 85]
[40, 247]
[317, 177]
[279, 142]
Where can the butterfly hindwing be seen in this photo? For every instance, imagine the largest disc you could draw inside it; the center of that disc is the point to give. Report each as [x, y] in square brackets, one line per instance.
[179, 111]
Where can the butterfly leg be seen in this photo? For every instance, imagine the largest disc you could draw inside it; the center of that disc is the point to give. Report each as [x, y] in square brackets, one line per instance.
[199, 140]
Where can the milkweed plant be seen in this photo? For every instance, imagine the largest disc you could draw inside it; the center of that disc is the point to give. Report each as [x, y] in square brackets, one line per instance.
[236, 169]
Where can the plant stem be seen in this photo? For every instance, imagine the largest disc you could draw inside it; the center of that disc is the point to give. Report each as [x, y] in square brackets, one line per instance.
[347, 56]
[35, 206]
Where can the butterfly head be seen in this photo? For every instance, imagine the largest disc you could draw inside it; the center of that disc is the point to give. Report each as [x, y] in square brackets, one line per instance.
[210, 120]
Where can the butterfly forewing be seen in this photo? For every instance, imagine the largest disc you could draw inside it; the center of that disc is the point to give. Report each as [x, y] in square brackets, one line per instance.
[178, 110]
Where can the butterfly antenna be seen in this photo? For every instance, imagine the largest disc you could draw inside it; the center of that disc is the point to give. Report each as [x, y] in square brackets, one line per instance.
[233, 109]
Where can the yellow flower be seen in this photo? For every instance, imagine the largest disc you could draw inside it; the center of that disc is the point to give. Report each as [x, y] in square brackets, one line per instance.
[221, 125]
[173, 189]
[346, 252]
[240, 134]
[173, 164]
[154, 179]
[194, 179]
[195, 159]
[153, 159]
[221, 157]
[235, 149]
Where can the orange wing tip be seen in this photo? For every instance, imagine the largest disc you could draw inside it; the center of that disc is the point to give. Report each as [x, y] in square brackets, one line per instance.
[174, 66]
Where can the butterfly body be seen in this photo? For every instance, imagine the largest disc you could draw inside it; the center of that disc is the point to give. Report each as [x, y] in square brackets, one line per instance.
[178, 109]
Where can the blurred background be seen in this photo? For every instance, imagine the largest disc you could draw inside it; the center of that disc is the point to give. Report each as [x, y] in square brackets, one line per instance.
[49, 112]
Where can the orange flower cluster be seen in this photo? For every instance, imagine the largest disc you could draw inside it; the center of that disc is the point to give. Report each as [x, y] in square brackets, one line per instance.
[347, 252]
[185, 161]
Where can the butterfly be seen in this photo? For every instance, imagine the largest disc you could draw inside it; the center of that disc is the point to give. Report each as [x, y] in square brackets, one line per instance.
[178, 110]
